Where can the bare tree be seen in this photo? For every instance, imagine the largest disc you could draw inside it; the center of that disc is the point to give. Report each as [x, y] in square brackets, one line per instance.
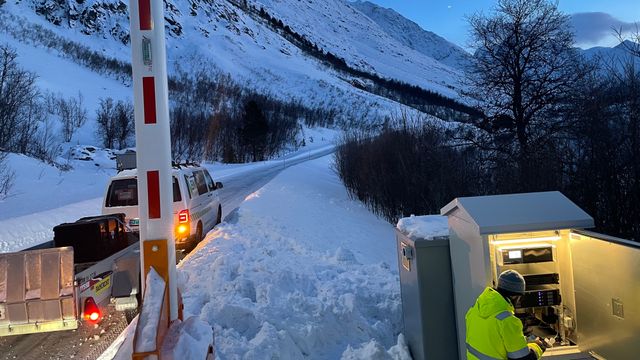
[72, 115]
[124, 122]
[7, 176]
[115, 123]
[45, 144]
[105, 117]
[17, 92]
[34, 116]
[524, 65]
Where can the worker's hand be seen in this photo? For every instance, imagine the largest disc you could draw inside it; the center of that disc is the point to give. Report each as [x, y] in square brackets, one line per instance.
[542, 344]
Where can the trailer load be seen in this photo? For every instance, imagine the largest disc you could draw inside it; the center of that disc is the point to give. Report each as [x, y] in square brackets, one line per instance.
[90, 263]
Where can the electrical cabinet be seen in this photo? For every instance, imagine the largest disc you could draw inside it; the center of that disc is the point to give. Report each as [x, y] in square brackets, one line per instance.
[427, 297]
[580, 285]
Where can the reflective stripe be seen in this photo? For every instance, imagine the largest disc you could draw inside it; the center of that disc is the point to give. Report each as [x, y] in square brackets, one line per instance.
[478, 354]
[503, 315]
[519, 354]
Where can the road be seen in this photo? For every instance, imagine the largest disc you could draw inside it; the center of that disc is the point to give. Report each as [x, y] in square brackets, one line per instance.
[238, 186]
[88, 342]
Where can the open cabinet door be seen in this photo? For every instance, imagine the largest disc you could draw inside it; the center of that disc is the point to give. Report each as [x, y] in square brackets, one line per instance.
[606, 275]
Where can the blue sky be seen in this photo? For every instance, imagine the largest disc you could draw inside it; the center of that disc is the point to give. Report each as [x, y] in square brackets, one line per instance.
[592, 19]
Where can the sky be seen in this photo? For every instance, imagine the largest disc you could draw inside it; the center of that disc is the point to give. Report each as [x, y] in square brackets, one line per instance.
[593, 20]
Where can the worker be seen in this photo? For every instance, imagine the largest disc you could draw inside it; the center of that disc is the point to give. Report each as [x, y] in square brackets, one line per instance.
[493, 331]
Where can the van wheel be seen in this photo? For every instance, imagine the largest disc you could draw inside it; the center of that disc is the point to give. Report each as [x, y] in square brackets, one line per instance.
[198, 237]
[219, 218]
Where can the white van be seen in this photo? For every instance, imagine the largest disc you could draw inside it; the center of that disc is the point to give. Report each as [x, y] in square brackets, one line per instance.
[196, 202]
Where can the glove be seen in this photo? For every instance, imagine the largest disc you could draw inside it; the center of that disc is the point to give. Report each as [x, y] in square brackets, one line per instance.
[537, 349]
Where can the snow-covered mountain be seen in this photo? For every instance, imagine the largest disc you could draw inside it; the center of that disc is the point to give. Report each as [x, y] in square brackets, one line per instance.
[617, 55]
[236, 37]
[410, 34]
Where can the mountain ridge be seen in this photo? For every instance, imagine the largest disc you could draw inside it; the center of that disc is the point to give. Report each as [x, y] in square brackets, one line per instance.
[414, 36]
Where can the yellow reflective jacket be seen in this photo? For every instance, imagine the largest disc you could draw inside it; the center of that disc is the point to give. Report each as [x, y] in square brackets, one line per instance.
[493, 332]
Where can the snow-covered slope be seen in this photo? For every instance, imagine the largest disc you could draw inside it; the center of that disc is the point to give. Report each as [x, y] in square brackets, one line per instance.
[231, 36]
[338, 27]
[410, 34]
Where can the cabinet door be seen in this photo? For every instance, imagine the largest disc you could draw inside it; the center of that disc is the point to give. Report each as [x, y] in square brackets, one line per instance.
[606, 275]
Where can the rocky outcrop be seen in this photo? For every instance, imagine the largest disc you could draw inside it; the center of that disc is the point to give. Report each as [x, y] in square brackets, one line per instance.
[106, 18]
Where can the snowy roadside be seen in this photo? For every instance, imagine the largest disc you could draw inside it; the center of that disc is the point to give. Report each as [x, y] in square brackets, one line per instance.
[44, 196]
[299, 271]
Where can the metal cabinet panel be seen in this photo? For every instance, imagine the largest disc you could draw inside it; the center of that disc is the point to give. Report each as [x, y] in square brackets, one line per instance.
[607, 293]
[427, 297]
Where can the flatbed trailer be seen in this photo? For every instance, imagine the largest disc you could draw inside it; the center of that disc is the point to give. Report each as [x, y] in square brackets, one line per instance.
[90, 264]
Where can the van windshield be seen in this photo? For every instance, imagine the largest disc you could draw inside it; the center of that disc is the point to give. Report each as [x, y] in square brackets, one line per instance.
[124, 192]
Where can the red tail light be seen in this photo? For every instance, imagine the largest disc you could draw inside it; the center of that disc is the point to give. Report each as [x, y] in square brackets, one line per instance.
[91, 310]
[183, 216]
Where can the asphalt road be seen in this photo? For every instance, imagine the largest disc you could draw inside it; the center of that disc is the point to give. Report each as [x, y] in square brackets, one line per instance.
[88, 342]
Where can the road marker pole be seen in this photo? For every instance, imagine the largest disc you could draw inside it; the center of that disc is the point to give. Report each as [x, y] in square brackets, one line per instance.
[153, 144]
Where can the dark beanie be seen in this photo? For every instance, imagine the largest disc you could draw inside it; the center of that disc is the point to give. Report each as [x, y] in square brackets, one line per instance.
[512, 281]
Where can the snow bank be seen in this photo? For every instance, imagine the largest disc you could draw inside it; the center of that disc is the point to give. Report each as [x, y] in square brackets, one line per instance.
[374, 351]
[150, 315]
[187, 340]
[40, 186]
[25, 231]
[299, 271]
[424, 227]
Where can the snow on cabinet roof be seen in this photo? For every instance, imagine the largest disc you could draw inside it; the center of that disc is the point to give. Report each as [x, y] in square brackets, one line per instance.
[510, 213]
[426, 227]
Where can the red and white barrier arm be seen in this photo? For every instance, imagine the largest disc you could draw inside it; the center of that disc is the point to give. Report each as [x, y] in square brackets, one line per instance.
[153, 143]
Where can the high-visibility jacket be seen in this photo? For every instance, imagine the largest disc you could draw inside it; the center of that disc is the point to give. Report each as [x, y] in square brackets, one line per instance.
[493, 331]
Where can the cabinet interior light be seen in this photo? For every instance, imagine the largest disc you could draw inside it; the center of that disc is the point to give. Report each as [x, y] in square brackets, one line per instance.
[519, 241]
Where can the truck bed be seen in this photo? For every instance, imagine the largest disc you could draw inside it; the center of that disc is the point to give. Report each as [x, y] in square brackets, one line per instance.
[44, 288]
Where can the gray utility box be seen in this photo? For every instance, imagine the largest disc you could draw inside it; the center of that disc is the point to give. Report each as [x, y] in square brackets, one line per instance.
[126, 161]
[427, 297]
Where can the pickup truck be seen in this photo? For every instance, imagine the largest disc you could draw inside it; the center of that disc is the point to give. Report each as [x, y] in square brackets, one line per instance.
[55, 286]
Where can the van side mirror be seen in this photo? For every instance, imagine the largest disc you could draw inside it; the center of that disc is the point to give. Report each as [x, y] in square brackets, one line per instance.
[219, 185]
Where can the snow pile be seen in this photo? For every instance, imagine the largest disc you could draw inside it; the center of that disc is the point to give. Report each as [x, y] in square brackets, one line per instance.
[424, 227]
[299, 271]
[373, 351]
[103, 158]
[150, 315]
[187, 340]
